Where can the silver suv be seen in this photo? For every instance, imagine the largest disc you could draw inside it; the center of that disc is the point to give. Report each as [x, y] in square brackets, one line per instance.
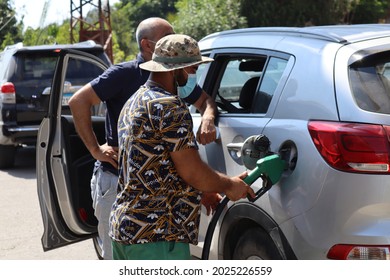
[322, 97]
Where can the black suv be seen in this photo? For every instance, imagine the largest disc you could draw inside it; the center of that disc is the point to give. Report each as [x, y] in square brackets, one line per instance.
[26, 75]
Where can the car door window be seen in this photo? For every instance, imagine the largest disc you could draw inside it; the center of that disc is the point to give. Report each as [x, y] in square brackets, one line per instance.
[247, 83]
[270, 80]
[78, 73]
[238, 83]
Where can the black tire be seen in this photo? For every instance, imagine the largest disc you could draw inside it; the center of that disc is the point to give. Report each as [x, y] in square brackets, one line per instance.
[97, 244]
[256, 244]
[7, 156]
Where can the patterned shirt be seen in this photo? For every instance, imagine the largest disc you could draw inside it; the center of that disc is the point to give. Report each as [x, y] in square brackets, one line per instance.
[153, 202]
[115, 86]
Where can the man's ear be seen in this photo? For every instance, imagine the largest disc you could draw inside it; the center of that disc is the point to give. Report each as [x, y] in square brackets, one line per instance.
[145, 46]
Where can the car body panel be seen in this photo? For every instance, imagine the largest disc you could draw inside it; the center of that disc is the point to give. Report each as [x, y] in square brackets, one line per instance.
[314, 206]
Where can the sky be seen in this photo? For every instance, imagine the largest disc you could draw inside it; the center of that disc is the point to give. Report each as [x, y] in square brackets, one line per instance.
[58, 11]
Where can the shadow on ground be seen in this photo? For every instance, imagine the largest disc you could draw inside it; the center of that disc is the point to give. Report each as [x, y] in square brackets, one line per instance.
[24, 163]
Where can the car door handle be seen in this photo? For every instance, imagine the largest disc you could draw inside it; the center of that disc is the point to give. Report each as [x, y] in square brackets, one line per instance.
[236, 147]
[235, 150]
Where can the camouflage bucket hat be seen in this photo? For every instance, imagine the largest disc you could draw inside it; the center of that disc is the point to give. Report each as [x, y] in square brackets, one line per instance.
[175, 51]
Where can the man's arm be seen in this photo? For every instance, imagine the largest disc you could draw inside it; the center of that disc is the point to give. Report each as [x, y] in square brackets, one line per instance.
[206, 134]
[208, 109]
[188, 161]
[80, 104]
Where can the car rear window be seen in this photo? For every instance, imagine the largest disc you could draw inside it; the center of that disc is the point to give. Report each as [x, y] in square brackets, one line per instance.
[370, 82]
[33, 66]
[34, 71]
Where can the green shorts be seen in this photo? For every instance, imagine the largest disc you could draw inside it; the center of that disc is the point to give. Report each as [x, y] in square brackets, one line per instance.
[164, 250]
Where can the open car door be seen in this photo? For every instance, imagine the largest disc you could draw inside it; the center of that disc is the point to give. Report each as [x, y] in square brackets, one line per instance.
[64, 165]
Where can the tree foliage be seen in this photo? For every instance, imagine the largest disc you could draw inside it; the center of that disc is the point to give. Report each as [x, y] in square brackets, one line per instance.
[199, 18]
[368, 11]
[294, 13]
[127, 14]
[10, 30]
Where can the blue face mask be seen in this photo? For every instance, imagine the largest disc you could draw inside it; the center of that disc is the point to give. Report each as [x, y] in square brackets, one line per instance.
[186, 90]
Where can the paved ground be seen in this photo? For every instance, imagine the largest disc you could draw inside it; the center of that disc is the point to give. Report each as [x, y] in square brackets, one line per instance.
[20, 217]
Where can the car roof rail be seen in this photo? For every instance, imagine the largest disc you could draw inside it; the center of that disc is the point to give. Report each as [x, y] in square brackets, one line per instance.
[343, 34]
[88, 43]
[15, 46]
[292, 31]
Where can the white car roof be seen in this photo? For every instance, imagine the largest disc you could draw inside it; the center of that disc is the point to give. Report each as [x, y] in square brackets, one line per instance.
[271, 37]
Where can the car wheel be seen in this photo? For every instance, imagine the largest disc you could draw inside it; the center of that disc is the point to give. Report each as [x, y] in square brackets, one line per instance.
[7, 156]
[256, 244]
[98, 244]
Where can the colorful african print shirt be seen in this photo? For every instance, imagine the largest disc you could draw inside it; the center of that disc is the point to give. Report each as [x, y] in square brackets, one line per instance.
[153, 202]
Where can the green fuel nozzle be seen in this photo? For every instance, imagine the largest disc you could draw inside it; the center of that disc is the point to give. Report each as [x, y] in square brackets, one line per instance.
[270, 169]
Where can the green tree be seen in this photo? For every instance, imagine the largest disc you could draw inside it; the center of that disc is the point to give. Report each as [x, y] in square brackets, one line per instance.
[41, 36]
[127, 14]
[7, 40]
[138, 10]
[294, 12]
[368, 11]
[30, 36]
[10, 30]
[124, 30]
[63, 34]
[118, 54]
[199, 18]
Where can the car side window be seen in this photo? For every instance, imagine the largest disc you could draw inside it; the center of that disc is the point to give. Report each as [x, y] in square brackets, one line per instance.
[238, 83]
[269, 82]
[80, 72]
[370, 83]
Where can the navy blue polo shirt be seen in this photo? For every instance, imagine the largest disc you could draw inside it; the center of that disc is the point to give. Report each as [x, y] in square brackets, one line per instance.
[116, 85]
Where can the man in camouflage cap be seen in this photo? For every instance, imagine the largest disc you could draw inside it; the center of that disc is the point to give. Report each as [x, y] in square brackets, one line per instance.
[157, 210]
[173, 52]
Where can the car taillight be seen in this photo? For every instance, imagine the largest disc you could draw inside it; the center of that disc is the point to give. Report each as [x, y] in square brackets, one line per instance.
[352, 147]
[7, 93]
[359, 252]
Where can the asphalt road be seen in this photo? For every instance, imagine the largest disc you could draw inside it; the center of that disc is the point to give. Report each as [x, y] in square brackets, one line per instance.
[21, 225]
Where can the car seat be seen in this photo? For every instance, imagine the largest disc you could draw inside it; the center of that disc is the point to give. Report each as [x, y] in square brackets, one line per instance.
[247, 93]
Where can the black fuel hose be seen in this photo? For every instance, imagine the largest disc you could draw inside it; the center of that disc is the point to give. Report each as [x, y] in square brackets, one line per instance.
[267, 184]
[211, 228]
